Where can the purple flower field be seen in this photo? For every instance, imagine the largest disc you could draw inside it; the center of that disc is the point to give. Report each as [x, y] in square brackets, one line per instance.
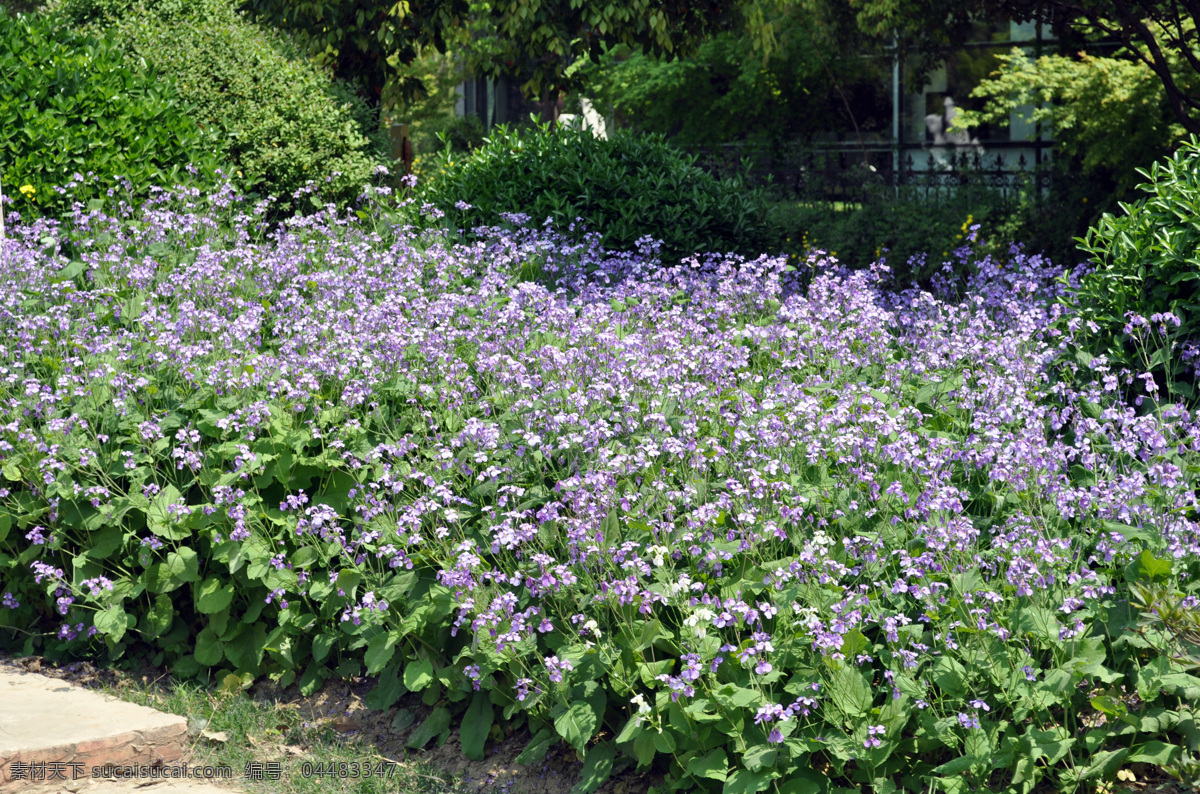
[761, 527]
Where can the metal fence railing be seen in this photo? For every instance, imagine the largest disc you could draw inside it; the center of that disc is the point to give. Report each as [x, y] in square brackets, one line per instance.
[865, 175]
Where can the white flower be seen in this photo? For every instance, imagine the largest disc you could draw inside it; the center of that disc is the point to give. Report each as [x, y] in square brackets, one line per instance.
[658, 555]
[642, 706]
[682, 586]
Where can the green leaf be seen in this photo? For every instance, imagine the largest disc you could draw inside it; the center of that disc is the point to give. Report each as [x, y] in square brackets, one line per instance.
[113, 622]
[1157, 753]
[956, 767]
[322, 645]
[103, 542]
[347, 580]
[246, 648]
[183, 564]
[714, 766]
[476, 725]
[213, 596]
[387, 691]
[735, 697]
[380, 650]
[160, 616]
[577, 724]
[597, 766]
[209, 650]
[743, 781]
[159, 519]
[644, 749]
[536, 749]
[850, 691]
[435, 725]
[70, 271]
[1147, 568]
[418, 674]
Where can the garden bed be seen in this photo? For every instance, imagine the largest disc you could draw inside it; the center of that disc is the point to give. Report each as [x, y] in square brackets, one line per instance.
[748, 525]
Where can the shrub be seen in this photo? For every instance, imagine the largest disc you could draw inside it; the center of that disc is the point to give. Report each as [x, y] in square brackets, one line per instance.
[624, 188]
[688, 519]
[284, 121]
[921, 223]
[71, 104]
[1142, 300]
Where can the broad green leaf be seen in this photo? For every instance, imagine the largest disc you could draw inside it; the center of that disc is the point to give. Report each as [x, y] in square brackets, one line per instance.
[536, 749]
[597, 766]
[210, 651]
[577, 724]
[850, 691]
[435, 725]
[714, 766]
[476, 725]
[160, 616]
[184, 564]
[213, 596]
[113, 622]
[743, 781]
[418, 674]
[245, 650]
[380, 650]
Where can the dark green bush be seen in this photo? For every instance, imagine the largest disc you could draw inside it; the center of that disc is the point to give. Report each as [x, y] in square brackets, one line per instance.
[861, 234]
[72, 104]
[1143, 297]
[931, 225]
[284, 120]
[626, 187]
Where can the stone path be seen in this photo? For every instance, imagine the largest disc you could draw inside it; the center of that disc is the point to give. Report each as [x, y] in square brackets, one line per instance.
[59, 737]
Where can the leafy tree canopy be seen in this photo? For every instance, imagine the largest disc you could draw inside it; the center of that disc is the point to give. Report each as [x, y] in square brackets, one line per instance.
[813, 74]
[1161, 34]
[370, 41]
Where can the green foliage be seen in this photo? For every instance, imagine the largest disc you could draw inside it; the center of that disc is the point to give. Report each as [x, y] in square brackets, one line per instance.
[919, 231]
[728, 90]
[1108, 113]
[372, 42]
[624, 188]
[434, 111]
[1159, 33]
[1147, 265]
[200, 492]
[72, 104]
[284, 122]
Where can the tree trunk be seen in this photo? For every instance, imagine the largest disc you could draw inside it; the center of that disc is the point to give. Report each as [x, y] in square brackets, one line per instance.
[550, 106]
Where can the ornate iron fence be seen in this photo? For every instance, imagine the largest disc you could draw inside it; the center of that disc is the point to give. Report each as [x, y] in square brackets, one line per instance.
[856, 176]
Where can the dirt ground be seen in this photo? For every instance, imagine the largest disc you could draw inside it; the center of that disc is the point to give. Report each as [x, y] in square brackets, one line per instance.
[339, 706]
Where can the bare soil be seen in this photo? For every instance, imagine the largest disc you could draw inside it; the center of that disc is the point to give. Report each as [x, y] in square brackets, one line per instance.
[339, 708]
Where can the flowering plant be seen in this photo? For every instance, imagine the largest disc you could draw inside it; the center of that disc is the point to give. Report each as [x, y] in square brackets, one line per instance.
[699, 518]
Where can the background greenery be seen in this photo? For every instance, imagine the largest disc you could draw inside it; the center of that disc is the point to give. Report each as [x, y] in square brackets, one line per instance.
[282, 121]
[625, 188]
[73, 104]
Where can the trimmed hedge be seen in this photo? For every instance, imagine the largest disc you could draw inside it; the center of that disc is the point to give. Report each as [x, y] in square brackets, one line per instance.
[284, 120]
[72, 104]
[626, 188]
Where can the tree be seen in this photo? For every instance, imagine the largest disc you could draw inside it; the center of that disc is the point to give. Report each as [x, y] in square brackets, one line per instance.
[1157, 33]
[817, 76]
[1107, 113]
[370, 41]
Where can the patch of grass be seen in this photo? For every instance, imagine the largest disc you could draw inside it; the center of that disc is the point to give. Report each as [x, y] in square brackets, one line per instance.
[261, 737]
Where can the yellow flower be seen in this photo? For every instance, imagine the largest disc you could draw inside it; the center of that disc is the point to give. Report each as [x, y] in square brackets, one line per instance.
[27, 190]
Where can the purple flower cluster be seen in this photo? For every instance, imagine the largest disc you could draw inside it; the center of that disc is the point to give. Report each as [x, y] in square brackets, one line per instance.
[712, 458]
